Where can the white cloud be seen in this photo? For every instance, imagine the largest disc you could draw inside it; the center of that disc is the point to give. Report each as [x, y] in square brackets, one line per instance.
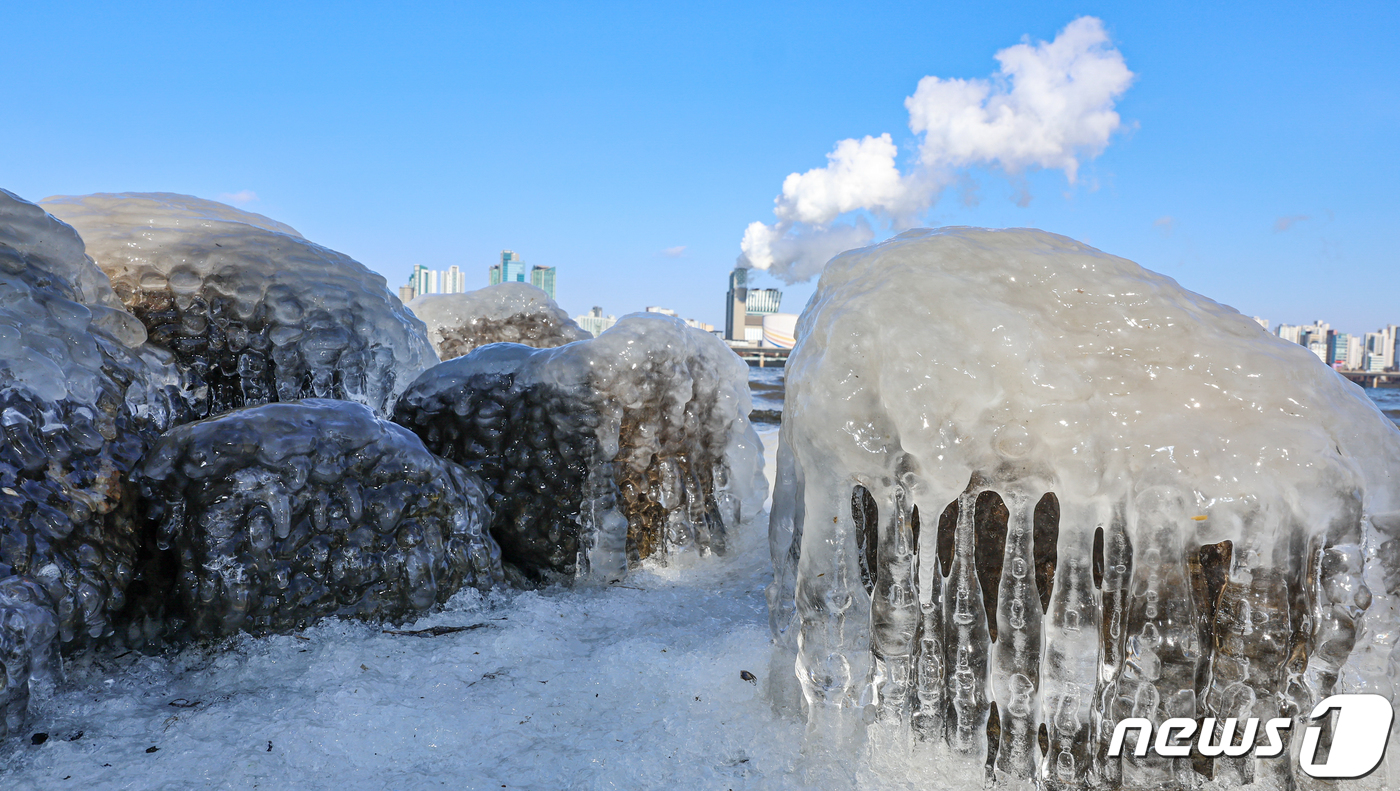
[674, 252]
[1284, 223]
[242, 196]
[1049, 106]
[1166, 224]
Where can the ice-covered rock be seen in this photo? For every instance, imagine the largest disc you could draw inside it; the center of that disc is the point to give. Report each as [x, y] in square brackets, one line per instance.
[503, 313]
[269, 517]
[81, 398]
[601, 452]
[255, 312]
[1027, 489]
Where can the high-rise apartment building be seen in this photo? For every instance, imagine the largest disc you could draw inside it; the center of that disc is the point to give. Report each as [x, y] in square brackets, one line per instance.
[542, 277]
[510, 270]
[1378, 350]
[1355, 356]
[595, 322]
[1382, 344]
[431, 281]
[424, 281]
[454, 280]
[1337, 347]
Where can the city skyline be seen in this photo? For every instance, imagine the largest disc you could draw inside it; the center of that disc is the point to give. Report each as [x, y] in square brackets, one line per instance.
[453, 280]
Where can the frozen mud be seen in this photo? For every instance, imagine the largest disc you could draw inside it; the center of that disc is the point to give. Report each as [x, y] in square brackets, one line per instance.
[602, 452]
[254, 312]
[81, 398]
[1027, 489]
[503, 313]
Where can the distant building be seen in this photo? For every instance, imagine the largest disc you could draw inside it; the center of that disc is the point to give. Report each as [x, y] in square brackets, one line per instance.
[542, 277]
[1374, 349]
[763, 301]
[780, 330]
[431, 281]
[1380, 348]
[700, 325]
[1355, 356]
[736, 305]
[510, 270]
[454, 280]
[744, 308]
[595, 322]
[1262, 322]
[1317, 344]
[424, 281]
[1373, 352]
[1336, 347]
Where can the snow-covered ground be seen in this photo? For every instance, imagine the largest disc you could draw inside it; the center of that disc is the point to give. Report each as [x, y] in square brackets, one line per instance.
[635, 686]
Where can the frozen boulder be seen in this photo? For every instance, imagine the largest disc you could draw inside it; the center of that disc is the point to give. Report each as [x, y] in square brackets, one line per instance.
[270, 517]
[1028, 489]
[503, 313]
[81, 398]
[252, 310]
[602, 452]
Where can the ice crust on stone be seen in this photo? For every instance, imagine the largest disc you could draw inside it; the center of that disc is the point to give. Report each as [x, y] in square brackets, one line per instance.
[81, 398]
[503, 313]
[252, 310]
[1027, 489]
[641, 691]
[267, 518]
[601, 452]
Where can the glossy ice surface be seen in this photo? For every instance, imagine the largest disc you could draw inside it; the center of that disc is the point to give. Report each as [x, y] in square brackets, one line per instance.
[268, 518]
[252, 310]
[81, 398]
[1027, 488]
[601, 452]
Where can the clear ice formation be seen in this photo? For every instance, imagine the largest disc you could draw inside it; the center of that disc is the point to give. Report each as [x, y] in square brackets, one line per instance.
[254, 312]
[503, 313]
[601, 452]
[1027, 489]
[270, 517]
[81, 398]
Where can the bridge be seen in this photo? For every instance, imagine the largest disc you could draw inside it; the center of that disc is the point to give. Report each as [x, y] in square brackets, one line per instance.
[762, 356]
[1373, 378]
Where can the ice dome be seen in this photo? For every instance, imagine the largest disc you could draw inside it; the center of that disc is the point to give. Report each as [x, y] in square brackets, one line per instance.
[503, 313]
[81, 398]
[1027, 489]
[272, 516]
[607, 451]
[253, 310]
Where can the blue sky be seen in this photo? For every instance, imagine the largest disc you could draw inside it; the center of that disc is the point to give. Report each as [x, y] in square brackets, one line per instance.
[596, 138]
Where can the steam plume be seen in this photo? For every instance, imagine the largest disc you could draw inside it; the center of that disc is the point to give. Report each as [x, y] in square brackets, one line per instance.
[1049, 105]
